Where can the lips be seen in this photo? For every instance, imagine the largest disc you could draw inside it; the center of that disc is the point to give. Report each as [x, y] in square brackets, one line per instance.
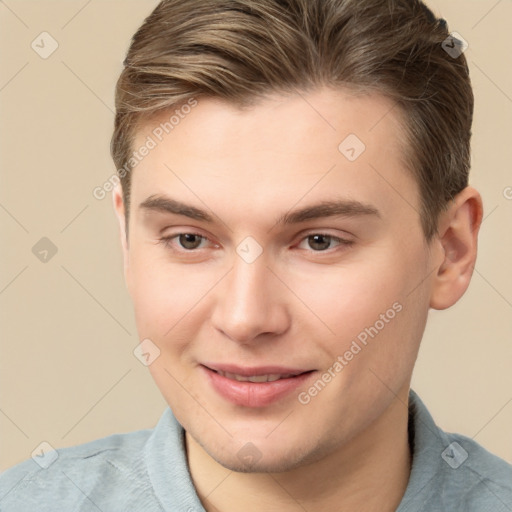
[271, 377]
[248, 371]
[254, 386]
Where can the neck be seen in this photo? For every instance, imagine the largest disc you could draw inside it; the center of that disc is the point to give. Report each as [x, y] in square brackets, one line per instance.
[369, 473]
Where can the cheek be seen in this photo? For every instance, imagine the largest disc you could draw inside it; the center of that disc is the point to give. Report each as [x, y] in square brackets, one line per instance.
[157, 294]
[348, 299]
[167, 297]
[370, 302]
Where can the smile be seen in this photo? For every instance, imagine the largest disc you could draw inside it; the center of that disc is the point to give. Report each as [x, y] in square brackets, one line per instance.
[255, 378]
[255, 387]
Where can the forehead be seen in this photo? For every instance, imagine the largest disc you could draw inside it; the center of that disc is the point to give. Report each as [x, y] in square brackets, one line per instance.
[287, 147]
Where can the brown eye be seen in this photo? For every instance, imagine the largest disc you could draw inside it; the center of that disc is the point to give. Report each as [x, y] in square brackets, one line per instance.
[190, 240]
[319, 242]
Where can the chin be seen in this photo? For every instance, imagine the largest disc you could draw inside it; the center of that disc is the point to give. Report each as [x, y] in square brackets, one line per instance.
[265, 457]
[276, 465]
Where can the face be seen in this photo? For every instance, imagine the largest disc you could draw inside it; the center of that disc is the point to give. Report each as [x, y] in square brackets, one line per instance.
[261, 248]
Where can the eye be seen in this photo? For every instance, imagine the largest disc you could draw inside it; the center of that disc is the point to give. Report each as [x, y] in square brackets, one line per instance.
[186, 241]
[319, 242]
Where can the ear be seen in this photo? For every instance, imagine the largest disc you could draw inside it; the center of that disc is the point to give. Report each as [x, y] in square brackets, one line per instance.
[119, 209]
[457, 235]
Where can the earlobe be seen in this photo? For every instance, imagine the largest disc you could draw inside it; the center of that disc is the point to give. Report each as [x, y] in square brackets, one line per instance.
[458, 238]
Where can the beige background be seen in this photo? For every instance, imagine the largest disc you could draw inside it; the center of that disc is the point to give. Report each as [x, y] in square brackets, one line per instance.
[67, 370]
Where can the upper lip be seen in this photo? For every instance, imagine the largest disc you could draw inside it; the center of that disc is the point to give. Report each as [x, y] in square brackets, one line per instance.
[247, 371]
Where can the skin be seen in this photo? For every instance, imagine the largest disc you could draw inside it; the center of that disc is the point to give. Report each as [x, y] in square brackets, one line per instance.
[296, 304]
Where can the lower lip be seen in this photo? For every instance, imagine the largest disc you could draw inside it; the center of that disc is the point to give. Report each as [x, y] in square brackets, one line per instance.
[254, 394]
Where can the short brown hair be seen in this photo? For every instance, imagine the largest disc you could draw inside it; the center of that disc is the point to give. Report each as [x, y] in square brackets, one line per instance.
[242, 50]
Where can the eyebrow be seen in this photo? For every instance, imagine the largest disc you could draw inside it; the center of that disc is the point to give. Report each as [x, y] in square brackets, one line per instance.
[342, 207]
[167, 205]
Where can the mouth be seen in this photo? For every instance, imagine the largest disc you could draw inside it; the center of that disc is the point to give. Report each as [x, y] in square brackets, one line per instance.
[256, 386]
[271, 377]
[268, 373]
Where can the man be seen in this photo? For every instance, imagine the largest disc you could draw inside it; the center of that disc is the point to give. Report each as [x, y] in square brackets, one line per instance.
[293, 200]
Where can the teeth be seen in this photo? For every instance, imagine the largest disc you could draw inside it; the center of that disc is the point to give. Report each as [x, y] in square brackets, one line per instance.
[254, 378]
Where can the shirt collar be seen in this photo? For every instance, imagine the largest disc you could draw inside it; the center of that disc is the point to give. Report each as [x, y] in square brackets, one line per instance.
[427, 443]
[167, 466]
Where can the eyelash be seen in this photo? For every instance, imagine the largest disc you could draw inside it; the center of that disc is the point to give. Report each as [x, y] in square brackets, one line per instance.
[167, 241]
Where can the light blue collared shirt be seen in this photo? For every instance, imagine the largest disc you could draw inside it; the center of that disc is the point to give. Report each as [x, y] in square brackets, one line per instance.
[147, 471]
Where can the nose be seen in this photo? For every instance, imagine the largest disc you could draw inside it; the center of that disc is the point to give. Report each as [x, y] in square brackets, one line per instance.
[250, 303]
